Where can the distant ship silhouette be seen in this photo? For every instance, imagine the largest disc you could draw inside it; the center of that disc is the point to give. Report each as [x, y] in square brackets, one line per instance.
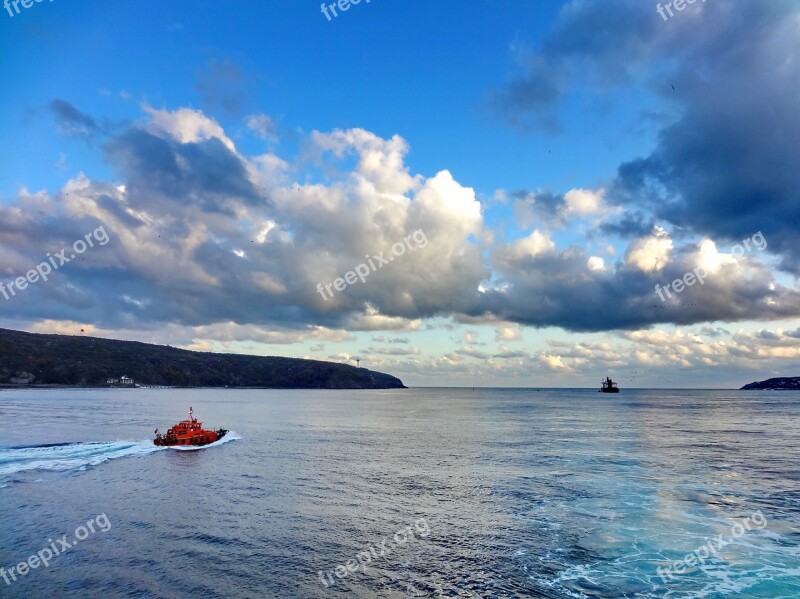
[608, 386]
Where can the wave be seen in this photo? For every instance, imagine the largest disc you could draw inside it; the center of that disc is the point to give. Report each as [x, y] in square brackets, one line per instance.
[62, 457]
[230, 436]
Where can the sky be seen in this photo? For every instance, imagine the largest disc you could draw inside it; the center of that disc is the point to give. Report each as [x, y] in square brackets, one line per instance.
[509, 193]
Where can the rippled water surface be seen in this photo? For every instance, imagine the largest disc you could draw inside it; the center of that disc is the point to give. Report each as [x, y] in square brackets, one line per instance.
[485, 493]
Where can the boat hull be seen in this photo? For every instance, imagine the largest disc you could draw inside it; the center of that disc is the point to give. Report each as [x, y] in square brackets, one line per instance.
[188, 433]
[197, 439]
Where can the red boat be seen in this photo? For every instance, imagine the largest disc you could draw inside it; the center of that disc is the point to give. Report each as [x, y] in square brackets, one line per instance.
[188, 433]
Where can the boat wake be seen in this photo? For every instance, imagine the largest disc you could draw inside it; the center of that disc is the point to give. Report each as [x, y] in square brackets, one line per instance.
[230, 436]
[63, 457]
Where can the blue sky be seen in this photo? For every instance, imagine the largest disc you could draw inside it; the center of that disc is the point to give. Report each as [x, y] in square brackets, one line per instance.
[562, 157]
[419, 69]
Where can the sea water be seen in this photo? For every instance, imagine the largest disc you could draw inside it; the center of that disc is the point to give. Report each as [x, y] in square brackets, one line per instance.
[403, 493]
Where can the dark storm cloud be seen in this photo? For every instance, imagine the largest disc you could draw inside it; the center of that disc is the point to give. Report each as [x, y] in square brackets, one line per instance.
[391, 351]
[766, 335]
[223, 85]
[72, 122]
[528, 101]
[531, 206]
[630, 225]
[110, 205]
[728, 165]
[556, 289]
[602, 42]
[510, 355]
[87, 283]
[714, 332]
[204, 173]
[198, 243]
[205, 236]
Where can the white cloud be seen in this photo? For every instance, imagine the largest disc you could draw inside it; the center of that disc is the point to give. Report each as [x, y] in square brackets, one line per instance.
[553, 362]
[584, 202]
[596, 263]
[262, 125]
[711, 260]
[187, 125]
[534, 244]
[509, 333]
[380, 160]
[650, 254]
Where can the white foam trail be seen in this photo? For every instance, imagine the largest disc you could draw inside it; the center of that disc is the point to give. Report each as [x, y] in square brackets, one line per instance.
[230, 436]
[69, 456]
[79, 456]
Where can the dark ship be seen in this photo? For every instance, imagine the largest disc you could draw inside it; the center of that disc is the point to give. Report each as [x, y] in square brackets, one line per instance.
[608, 386]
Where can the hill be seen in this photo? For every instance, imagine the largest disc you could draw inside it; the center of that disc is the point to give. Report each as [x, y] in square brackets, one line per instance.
[782, 383]
[28, 359]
